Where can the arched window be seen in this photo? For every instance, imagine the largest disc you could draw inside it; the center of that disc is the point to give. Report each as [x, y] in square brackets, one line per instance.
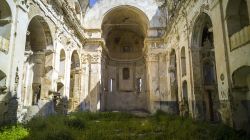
[5, 25]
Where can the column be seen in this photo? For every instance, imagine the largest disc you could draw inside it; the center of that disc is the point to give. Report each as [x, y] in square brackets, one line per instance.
[152, 64]
[95, 82]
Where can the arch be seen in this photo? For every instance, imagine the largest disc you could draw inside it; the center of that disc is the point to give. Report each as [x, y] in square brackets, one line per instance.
[5, 25]
[75, 82]
[204, 68]
[183, 61]
[201, 22]
[124, 29]
[237, 16]
[240, 77]
[141, 17]
[139, 11]
[240, 97]
[75, 60]
[39, 35]
[38, 61]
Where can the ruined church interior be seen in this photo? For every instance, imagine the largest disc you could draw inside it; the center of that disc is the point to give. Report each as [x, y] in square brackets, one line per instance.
[184, 57]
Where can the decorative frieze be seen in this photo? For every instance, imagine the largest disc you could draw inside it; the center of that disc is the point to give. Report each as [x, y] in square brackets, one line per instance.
[240, 38]
[91, 58]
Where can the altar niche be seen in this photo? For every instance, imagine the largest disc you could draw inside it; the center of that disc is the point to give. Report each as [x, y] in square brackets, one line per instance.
[124, 29]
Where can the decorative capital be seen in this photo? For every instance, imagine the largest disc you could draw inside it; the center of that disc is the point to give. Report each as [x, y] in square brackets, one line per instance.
[96, 58]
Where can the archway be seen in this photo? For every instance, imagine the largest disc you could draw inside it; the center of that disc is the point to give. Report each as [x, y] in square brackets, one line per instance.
[204, 69]
[37, 65]
[124, 29]
[5, 25]
[75, 82]
[240, 100]
[174, 81]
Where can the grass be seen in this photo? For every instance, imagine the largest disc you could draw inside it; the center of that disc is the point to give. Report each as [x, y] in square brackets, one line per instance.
[118, 126]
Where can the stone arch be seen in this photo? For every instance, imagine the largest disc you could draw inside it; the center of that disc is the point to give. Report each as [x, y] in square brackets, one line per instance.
[142, 18]
[38, 26]
[183, 61]
[75, 82]
[38, 61]
[5, 25]
[202, 21]
[237, 16]
[204, 68]
[75, 59]
[240, 76]
[138, 11]
[240, 97]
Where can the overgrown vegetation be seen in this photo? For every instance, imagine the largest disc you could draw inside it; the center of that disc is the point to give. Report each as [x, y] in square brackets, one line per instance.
[15, 132]
[118, 126]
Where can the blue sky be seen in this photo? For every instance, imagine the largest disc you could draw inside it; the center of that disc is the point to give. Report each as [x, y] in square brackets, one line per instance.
[92, 3]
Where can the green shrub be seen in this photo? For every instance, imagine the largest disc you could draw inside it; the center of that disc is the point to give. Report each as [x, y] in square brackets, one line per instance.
[75, 122]
[13, 133]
